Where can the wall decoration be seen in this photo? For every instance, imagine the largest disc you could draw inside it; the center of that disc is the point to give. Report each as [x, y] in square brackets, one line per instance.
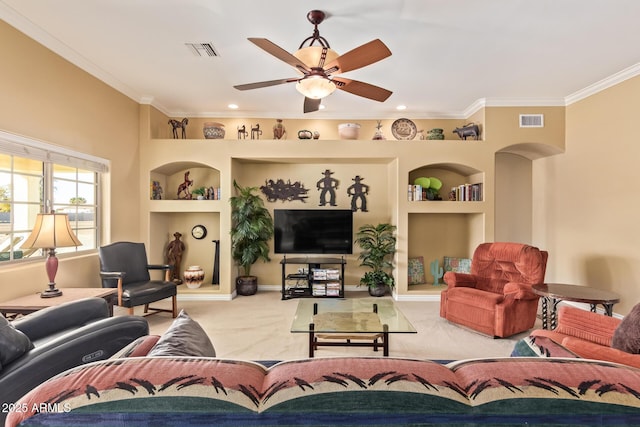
[327, 185]
[404, 129]
[279, 130]
[284, 191]
[179, 124]
[416, 271]
[256, 132]
[183, 189]
[242, 132]
[358, 192]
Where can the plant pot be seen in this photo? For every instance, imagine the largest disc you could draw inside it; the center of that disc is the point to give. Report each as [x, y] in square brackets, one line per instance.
[377, 290]
[246, 285]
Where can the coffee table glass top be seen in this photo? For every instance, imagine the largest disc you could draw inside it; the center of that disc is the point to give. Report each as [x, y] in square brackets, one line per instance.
[355, 315]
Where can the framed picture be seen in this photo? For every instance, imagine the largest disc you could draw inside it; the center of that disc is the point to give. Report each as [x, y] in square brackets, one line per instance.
[416, 271]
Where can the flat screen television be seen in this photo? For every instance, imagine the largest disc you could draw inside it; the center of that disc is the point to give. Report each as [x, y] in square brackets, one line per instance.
[313, 231]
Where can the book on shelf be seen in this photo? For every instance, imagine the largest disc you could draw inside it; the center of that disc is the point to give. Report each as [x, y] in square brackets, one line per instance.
[467, 193]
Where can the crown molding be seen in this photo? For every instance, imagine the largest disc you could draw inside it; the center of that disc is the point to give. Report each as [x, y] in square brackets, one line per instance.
[603, 84]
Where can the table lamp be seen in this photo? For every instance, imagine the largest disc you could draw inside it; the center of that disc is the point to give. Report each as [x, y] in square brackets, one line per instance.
[51, 231]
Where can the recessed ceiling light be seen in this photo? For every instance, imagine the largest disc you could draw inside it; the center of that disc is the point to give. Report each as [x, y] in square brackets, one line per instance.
[233, 106]
[401, 107]
[322, 107]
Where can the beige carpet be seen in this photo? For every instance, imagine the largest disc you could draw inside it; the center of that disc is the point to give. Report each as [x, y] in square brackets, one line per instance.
[257, 327]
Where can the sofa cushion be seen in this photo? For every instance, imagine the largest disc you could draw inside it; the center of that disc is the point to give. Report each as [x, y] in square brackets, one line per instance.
[537, 346]
[13, 343]
[627, 335]
[185, 337]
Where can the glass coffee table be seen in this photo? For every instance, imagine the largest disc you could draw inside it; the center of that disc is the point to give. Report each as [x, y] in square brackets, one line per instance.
[340, 322]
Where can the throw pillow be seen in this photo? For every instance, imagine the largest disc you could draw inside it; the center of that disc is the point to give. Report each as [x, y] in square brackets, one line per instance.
[416, 271]
[13, 343]
[185, 337]
[626, 337]
[535, 346]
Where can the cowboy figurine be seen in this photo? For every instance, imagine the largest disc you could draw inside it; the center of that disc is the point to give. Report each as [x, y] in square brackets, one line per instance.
[358, 192]
[327, 185]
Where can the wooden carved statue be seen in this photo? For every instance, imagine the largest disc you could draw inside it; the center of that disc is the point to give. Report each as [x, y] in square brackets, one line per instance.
[174, 257]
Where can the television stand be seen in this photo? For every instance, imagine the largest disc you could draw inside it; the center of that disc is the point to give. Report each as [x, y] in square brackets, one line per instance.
[316, 281]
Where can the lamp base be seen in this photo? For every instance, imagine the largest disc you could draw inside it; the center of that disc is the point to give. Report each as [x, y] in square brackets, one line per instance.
[52, 292]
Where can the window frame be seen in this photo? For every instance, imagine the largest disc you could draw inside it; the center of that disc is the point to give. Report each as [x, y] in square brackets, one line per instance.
[51, 156]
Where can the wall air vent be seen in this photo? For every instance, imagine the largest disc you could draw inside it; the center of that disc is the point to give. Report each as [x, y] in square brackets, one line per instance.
[531, 120]
[202, 49]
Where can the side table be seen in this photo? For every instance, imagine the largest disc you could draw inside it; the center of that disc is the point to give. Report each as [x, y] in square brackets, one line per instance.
[556, 292]
[30, 303]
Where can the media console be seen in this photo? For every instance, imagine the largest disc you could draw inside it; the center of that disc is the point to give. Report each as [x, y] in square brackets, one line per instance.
[316, 280]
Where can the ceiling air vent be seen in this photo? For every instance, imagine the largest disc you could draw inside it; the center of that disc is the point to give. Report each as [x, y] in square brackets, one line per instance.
[202, 49]
[531, 120]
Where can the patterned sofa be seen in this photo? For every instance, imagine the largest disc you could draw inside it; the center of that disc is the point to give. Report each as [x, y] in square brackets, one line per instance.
[205, 391]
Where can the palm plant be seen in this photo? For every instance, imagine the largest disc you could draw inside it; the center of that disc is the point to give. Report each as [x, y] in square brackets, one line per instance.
[378, 244]
[252, 228]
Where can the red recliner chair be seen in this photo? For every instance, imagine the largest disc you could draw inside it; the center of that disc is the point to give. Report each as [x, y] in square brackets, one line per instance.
[496, 297]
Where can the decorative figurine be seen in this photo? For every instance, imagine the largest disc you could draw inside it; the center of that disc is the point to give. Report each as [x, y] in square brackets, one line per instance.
[242, 132]
[183, 189]
[436, 272]
[174, 257]
[179, 125]
[435, 133]
[468, 130]
[279, 130]
[256, 132]
[327, 185]
[378, 136]
[156, 190]
[358, 191]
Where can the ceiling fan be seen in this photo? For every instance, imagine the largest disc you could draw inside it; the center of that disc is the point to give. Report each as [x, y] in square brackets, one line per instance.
[319, 65]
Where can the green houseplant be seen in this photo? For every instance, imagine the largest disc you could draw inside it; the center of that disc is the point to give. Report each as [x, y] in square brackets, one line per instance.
[200, 192]
[251, 230]
[378, 244]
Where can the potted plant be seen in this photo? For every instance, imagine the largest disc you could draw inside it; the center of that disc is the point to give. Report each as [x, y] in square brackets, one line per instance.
[200, 192]
[378, 244]
[252, 228]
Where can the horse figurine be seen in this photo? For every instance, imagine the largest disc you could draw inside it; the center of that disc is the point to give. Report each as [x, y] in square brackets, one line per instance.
[256, 132]
[179, 125]
[242, 132]
[184, 187]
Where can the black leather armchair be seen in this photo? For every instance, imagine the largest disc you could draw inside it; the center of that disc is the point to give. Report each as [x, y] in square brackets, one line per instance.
[62, 337]
[123, 265]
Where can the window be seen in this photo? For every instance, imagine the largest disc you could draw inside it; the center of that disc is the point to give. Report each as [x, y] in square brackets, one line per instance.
[35, 178]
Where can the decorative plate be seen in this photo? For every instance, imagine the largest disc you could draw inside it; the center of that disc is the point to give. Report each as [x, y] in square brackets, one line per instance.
[404, 129]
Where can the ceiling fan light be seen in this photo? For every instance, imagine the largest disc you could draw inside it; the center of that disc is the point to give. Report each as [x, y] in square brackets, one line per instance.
[310, 56]
[315, 87]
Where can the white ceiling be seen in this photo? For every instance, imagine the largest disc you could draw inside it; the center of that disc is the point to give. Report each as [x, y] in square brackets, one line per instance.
[449, 57]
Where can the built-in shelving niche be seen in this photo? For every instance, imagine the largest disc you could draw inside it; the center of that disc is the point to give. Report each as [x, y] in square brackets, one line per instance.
[444, 228]
[170, 215]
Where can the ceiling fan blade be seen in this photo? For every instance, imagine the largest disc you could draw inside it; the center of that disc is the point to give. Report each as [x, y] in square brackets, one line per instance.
[279, 53]
[311, 105]
[359, 57]
[365, 90]
[258, 85]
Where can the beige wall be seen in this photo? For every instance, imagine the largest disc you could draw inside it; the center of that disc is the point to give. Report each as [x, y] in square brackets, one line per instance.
[586, 204]
[44, 97]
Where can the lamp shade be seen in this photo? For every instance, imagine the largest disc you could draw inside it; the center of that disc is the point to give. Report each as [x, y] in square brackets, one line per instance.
[51, 230]
[315, 87]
